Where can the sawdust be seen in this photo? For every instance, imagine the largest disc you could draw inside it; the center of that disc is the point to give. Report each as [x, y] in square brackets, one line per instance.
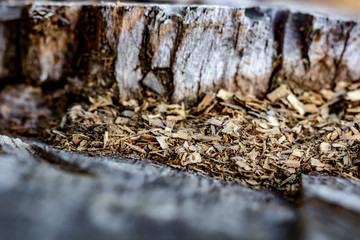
[260, 143]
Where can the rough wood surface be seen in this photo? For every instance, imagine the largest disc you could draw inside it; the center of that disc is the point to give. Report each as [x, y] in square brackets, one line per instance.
[318, 51]
[9, 42]
[49, 194]
[185, 51]
[330, 207]
[52, 194]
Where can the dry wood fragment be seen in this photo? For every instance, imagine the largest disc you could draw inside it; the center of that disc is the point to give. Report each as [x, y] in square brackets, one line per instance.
[245, 139]
[325, 147]
[353, 95]
[278, 93]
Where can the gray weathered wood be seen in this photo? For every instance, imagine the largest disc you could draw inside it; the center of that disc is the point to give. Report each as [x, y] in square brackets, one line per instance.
[50, 194]
[330, 207]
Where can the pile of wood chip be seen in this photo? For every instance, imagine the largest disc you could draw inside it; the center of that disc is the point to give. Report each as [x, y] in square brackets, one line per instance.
[259, 143]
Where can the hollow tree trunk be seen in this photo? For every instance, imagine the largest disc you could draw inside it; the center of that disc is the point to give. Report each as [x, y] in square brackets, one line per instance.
[184, 51]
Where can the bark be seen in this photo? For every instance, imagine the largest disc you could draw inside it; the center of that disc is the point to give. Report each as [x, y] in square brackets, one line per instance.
[9, 42]
[185, 51]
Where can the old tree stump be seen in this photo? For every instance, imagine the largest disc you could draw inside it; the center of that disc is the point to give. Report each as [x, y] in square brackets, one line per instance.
[54, 51]
[181, 51]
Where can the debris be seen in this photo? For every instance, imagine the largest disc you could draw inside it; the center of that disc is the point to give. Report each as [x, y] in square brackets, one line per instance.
[162, 142]
[353, 95]
[325, 147]
[193, 158]
[224, 95]
[206, 101]
[296, 104]
[278, 93]
[260, 143]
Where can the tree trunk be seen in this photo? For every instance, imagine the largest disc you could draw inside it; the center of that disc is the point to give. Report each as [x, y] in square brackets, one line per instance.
[184, 51]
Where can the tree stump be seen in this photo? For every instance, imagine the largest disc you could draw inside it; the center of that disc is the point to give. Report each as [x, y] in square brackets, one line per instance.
[180, 51]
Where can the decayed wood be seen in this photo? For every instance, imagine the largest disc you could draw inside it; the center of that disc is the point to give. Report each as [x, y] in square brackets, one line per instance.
[330, 207]
[50, 43]
[319, 52]
[186, 51]
[9, 41]
[180, 50]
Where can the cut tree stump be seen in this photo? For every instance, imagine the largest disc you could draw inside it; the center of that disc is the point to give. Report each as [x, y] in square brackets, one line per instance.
[180, 51]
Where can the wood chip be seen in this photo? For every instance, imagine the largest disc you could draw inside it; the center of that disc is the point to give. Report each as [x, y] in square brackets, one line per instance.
[296, 104]
[316, 163]
[106, 138]
[206, 101]
[215, 122]
[136, 148]
[242, 164]
[353, 95]
[192, 158]
[293, 163]
[224, 95]
[278, 93]
[162, 142]
[260, 143]
[325, 147]
[297, 153]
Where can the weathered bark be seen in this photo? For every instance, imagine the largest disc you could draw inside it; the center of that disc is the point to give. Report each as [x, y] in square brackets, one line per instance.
[50, 194]
[318, 51]
[50, 42]
[185, 51]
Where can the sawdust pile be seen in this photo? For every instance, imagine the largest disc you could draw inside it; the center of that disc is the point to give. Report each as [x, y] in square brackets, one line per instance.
[259, 143]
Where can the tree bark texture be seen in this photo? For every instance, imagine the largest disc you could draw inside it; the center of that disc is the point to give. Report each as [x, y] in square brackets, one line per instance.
[9, 42]
[184, 51]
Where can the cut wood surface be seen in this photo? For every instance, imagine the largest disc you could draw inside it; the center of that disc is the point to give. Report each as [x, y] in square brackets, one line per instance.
[50, 194]
[182, 51]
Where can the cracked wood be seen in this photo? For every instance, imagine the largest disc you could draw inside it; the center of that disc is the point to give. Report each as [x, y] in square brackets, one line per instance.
[182, 51]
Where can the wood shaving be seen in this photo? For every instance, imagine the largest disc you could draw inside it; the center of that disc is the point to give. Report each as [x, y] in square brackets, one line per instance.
[261, 143]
